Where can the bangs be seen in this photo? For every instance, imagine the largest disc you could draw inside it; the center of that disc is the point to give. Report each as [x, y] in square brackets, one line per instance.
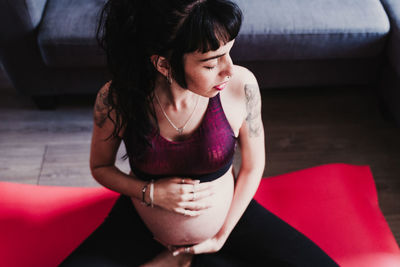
[209, 25]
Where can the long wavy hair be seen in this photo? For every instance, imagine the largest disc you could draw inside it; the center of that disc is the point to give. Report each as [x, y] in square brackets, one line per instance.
[131, 31]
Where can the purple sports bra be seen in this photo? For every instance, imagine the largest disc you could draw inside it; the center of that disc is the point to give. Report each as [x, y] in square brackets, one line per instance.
[206, 155]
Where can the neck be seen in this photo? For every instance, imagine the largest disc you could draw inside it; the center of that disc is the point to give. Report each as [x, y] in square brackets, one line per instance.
[174, 96]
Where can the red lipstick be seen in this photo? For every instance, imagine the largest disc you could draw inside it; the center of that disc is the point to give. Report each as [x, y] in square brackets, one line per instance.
[221, 86]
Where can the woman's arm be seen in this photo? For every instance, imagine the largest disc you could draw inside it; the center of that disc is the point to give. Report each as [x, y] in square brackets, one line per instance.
[251, 140]
[169, 193]
[103, 152]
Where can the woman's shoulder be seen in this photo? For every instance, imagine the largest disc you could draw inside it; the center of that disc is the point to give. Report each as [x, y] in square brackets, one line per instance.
[241, 78]
[244, 74]
[234, 97]
[101, 105]
[105, 88]
[102, 94]
[103, 109]
[101, 102]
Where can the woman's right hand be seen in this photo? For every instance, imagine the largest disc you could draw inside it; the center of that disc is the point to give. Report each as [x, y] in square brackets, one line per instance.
[183, 195]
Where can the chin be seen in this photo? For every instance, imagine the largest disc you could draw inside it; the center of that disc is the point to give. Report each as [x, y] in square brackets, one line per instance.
[206, 93]
[209, 94]
[213, 93]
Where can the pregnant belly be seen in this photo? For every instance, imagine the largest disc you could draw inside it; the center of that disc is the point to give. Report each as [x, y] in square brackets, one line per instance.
[176, 229]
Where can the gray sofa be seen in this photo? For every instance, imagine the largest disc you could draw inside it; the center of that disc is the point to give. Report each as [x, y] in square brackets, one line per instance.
[48, 46]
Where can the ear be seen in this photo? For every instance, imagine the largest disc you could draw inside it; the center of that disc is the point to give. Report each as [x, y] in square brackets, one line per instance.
[161, 64]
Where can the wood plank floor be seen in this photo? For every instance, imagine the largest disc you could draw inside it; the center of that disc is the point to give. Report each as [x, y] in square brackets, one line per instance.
[304, 128]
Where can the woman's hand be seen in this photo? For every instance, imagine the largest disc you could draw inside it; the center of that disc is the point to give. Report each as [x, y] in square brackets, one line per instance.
[210, 245]
[183, 195]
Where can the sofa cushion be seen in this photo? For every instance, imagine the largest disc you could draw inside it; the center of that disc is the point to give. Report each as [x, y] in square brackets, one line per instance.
[393, 10]
[67, 34]
[312, 29]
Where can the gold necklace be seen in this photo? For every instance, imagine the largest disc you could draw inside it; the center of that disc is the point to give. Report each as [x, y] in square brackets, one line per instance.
[179, 130]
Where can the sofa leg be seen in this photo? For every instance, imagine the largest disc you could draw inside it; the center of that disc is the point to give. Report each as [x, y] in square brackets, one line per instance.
[45, 102]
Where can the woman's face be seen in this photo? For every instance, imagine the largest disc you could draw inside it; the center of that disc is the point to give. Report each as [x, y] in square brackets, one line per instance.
[208, 73]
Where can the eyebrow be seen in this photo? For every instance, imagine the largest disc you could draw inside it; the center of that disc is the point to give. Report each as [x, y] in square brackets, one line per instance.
[209, 58]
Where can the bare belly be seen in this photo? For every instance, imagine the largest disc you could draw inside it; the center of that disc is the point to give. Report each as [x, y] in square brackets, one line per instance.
[175, 229]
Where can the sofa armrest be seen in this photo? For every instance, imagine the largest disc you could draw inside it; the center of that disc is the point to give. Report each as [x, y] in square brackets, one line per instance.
[390, 79]
[392, 8]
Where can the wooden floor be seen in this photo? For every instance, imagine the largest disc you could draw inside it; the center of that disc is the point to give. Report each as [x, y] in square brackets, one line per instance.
[304, 128]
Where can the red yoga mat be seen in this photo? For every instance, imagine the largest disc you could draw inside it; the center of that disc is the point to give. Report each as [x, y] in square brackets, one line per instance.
[335, 205]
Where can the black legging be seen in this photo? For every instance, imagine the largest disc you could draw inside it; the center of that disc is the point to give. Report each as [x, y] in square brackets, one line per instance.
[259, 239]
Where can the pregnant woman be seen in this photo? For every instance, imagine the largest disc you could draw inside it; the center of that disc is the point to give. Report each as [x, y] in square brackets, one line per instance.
[181, 107]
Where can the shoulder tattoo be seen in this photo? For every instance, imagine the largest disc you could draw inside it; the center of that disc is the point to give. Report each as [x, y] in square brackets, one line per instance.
[101, 108]
[253, 108]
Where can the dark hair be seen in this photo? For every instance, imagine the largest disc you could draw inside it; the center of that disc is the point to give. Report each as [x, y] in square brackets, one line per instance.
[130, 31]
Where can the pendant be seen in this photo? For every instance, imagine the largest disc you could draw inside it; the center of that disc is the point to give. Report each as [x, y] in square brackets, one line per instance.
[180, 130]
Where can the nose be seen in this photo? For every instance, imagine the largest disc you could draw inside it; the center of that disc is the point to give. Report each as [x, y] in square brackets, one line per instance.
[228, 66]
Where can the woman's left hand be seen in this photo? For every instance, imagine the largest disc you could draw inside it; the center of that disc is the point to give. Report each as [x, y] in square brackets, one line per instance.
[210, 245]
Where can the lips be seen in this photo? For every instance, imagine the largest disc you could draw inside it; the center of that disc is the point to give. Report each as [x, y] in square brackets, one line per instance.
[221, 86]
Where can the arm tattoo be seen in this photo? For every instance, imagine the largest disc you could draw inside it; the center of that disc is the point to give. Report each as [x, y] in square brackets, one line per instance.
[101, 108]
[253, 107]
